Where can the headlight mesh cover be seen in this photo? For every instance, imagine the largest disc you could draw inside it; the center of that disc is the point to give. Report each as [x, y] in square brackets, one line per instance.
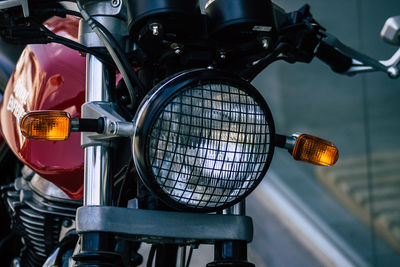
[209, 145]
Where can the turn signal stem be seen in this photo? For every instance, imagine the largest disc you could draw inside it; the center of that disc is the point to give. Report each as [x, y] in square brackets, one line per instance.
[87, 125]
[287, 142]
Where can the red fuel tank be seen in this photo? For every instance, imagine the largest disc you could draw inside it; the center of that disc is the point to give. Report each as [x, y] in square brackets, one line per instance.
[48, 77]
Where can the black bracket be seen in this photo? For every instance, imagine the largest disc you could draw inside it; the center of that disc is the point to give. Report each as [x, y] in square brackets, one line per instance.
[175, 227]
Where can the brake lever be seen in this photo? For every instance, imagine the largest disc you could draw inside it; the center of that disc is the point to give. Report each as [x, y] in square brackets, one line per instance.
[362, 63]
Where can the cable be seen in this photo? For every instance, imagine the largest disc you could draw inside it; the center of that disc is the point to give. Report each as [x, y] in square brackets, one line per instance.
[189, 256]
[150, 258]
[252, 72]
[128, 66]
[57, 11]
[116, 53]
[127, 170]
[74, 45]
[73, 13]
[7, 238]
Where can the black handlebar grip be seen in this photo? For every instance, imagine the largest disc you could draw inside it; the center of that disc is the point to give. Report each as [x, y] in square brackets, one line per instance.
[338, 62]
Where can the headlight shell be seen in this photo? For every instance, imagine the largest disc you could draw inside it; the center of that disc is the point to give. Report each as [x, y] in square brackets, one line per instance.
[204, 139]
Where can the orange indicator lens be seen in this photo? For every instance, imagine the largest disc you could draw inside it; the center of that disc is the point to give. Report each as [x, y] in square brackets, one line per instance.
[315, 150]
[46, 125]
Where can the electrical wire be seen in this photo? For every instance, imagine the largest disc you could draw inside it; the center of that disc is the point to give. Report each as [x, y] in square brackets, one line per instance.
[116, 54]
[7, 238]
[189, 256]
[124, 60]
[250, 73]
[150, 258]
[46, 36]
[75, 45]
[121, 190]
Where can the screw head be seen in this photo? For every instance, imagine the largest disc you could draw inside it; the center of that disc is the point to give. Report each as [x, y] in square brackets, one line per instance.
[155, 28]
[265, 43]
[67, 223]
[123, 99]
[113, 128]
[177, 48]
[222, 54]
[115, 3]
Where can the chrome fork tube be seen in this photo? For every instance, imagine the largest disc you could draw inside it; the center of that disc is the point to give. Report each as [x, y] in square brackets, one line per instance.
[97, 183]
[97, 160]
[238, 209]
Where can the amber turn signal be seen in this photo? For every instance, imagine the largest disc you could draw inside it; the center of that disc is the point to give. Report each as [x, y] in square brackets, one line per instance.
[315, 150]
[46, 125]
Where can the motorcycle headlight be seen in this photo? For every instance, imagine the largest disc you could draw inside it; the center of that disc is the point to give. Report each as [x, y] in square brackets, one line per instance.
[204, 139]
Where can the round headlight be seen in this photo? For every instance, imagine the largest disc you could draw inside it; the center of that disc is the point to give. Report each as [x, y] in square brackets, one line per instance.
[203, 140]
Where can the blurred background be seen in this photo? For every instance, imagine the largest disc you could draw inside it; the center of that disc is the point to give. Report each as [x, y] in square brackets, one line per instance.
[348, 214]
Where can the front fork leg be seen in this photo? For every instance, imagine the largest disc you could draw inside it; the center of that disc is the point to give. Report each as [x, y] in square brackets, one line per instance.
[231, 253]
[97, 248]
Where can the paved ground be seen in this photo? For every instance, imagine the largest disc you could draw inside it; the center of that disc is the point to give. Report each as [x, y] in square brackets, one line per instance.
[348, 183]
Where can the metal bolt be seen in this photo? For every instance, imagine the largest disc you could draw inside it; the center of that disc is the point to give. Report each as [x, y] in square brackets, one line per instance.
[115, 3]
[113, 128]
[123, 99]
[222, 54]
[155, 28]
[177, 48]
[265, 43]
[67, 223]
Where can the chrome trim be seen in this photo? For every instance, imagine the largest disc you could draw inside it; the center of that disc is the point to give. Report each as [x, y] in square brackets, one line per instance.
[97, 183]
[47, 189]
[96, 80]
[97, 172]
[237, 209]
[391, 66]
[114, 124]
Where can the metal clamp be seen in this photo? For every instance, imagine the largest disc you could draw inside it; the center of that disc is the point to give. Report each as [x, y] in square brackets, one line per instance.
[114, 124]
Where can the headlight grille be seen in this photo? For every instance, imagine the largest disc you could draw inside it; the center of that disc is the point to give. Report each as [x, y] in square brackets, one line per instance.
[209, 145]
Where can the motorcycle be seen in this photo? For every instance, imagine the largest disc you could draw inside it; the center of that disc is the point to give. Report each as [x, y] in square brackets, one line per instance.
[129, 122]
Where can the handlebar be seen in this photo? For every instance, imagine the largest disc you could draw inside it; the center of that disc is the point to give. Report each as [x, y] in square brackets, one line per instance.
[305, 36]
[338, 61]
[359, 62]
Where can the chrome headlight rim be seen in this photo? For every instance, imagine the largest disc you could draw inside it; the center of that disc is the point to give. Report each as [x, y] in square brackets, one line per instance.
[153, 105]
